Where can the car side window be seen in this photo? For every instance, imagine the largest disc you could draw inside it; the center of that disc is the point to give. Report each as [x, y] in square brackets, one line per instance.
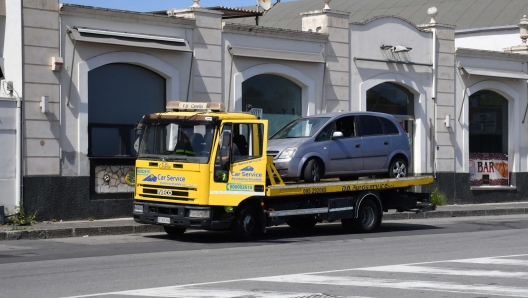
[347, 126]
[390, 128]
[370, 125]
[326, 133]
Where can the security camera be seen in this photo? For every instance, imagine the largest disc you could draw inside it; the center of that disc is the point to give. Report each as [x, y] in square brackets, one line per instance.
[400, 49]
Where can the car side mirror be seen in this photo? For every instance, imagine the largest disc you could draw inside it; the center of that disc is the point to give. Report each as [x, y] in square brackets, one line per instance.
[337, 135]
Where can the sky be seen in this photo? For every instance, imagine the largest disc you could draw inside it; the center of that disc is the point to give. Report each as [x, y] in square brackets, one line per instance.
[154, 5]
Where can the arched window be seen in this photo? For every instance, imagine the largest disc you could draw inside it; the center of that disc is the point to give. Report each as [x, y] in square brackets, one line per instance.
[390, 98]
[279, 98]
[118, 96]
[488, 138]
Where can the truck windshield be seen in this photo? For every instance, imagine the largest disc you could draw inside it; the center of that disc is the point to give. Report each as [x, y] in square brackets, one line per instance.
[300, 128]
[186, 141]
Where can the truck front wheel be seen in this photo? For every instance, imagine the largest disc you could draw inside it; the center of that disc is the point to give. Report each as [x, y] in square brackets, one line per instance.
[368, 220]
[245, 224]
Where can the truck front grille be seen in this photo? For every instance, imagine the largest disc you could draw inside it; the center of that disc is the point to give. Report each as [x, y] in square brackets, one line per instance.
[166, 192]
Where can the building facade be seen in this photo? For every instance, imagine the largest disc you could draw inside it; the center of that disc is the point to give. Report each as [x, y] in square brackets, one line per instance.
[83, 76]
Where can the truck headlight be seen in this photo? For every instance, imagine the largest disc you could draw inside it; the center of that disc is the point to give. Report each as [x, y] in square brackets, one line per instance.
[138, 208]
[288, 153]
[199, 213]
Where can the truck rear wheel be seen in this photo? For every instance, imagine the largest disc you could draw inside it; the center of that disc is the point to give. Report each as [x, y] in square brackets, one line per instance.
[245, 225]
[368, 220]
[174, 231]
[301, 222]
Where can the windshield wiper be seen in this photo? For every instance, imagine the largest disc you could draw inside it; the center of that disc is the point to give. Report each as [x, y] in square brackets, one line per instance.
[175, 157]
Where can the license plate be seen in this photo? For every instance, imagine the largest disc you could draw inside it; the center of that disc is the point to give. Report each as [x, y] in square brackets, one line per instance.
[164, 220]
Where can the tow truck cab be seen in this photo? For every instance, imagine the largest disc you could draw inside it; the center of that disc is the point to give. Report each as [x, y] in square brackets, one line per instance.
[185, 173]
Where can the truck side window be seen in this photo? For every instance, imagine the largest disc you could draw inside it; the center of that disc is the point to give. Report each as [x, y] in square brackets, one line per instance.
[248, 141]
[224, 155]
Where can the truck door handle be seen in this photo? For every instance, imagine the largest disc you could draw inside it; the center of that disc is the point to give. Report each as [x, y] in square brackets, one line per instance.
[358, 145]
[386, 142]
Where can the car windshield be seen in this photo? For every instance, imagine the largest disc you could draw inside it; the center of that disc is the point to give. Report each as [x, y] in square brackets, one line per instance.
[301, 128]
[186, 141]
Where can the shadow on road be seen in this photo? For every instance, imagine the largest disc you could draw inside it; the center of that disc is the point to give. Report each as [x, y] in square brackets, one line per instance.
[284, 234]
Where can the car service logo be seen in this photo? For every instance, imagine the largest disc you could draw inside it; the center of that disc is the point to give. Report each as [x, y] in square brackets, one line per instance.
[248, 169]
[150, 178]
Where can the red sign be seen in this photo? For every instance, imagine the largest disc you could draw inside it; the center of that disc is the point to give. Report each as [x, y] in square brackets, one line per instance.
[488, 169]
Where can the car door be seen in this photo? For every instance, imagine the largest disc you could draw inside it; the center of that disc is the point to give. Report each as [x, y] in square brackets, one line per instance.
[376, 144]
[345, 153]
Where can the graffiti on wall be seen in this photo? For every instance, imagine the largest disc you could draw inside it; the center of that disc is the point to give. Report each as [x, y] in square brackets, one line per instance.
[114, 179]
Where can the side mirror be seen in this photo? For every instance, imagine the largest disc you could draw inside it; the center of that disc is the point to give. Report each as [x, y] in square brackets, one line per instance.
[138, 128]
[337, 135]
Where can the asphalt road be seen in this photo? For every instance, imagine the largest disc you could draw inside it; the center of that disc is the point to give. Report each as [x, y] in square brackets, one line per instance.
[452, 257]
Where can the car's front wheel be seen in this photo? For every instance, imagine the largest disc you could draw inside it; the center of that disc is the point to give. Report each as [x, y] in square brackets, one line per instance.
[313, 171]
[398, 168]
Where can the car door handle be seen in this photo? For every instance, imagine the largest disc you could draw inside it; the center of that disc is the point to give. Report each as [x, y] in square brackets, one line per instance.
[358, 145]
[386, 142]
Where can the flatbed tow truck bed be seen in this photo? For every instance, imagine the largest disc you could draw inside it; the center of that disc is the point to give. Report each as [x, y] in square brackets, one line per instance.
[333, 186]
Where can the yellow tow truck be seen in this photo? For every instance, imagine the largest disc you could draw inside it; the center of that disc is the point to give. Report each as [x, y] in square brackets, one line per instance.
[200, 167]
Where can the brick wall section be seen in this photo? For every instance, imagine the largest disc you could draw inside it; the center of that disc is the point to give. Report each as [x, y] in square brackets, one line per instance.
[207, 43]
[337, 55]
[445, 96]
[40, 21]
[445, 103]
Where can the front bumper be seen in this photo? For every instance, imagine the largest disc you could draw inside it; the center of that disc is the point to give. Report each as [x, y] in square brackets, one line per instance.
[288, 168]
[179, 216]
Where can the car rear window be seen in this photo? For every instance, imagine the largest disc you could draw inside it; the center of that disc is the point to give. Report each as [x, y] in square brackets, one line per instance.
[370, 125]
[390, 128]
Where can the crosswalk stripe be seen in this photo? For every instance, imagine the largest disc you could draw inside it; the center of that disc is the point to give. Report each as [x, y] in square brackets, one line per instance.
[444, 271]
[499, 260]
[475, 289]
[178, 292]
[493, 261]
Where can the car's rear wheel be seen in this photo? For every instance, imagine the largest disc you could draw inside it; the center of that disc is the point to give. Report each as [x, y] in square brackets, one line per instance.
[398, 168]
[312, 171]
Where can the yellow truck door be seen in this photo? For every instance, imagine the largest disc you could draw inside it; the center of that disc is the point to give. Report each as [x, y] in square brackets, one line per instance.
[239, 164]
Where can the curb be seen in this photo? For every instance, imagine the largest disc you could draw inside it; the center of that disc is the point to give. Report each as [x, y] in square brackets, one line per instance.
[457, 213]
[138, 229]
[78, 232]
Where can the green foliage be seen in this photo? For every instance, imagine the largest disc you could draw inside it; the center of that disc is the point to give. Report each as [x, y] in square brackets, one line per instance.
[90, 218]
[21, 217]
[438, 198]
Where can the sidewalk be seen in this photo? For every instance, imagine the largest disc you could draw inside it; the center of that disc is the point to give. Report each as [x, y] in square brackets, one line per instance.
[49, 230]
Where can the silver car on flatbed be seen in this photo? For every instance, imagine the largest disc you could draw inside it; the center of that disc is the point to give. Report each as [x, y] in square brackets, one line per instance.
[347, 145]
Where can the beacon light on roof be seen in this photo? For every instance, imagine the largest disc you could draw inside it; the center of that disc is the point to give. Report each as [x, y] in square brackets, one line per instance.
[193, 106]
